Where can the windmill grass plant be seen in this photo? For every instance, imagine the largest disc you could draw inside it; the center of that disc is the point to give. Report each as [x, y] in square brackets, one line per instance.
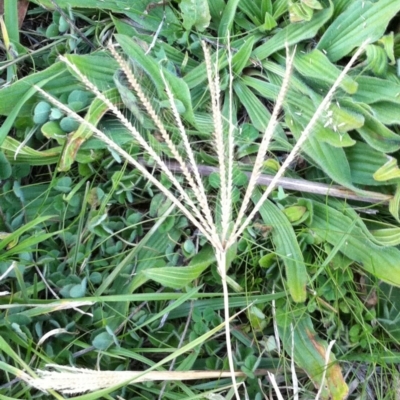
[222, 229]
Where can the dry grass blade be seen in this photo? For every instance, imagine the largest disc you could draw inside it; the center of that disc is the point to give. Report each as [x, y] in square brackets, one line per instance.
[69, 380]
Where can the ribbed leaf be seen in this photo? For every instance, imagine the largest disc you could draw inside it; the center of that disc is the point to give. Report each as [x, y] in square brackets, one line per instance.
[179, 277]
[362, 20]
[371, 90]
[377, 135]
[382, 262]
[311, 65]
[387, 236]
[293, 33]
[386, 112]
[364, 161]
[390, 170]
[286, 247]
[309, 352]
[241, 58]
[227, 18]
[331, 160]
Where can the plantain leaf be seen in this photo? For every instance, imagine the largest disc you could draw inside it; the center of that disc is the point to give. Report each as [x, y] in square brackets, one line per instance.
[364, 161]
[195, 13]
[360, 21]
[371, 90]
[388, 171]
[179, 277]
[241, 58]
[309, 352]
[286, 247]
[225, 25]
[311, 64]
[394, 204]
[382, 262]
[377, 135]
[386, 112]
[389, 235]
[99, 69]
[377, 60]
[293, 33]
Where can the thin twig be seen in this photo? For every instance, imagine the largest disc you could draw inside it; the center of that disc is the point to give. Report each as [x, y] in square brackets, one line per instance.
[300, 185]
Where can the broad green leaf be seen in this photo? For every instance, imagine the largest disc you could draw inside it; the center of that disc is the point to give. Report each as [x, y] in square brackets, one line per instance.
[128, 97]
[386, 112]
[257, 111]
[102, 341]
[388, 45]
[394, 204]
[372, 90]
[331, 160]
[390, 170]
[5, 167]
[293, 33]
[377, 135]
[20, 98]
[19, 104]
[382, 262]
[362, 20]
[387, 236]
[300, 12]
[75, 139]
[269, 22]
[195, 13]
[311, 64]
[377, 60]
[309, 352]
[178, 87]
[225, 25]
[179, 277]
[241, 58]
[98, 68]
[287, 248]
[364, 161]
[19, 95]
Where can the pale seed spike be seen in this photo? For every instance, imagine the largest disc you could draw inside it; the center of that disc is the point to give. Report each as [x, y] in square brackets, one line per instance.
[230, 152]
[198, 188]
[99, 134]
[218, 128]
[153, 115]
[300, 142]
[257, 168]
[142, 142]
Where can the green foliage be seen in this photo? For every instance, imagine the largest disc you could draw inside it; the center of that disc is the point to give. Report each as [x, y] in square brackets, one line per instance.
[79, 230]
